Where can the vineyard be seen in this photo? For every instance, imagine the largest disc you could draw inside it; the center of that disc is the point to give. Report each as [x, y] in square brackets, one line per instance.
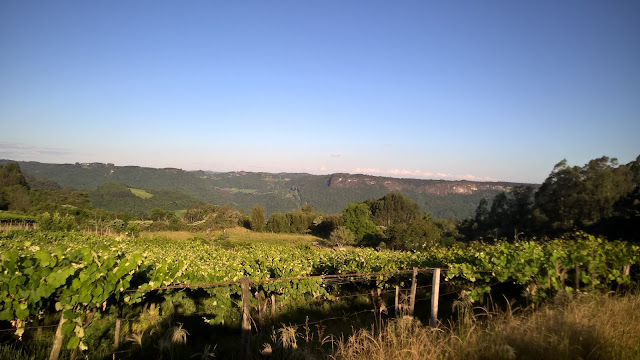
[78, 278]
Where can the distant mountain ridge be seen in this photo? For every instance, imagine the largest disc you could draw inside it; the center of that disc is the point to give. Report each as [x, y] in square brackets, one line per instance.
[277, 192]
[435, 187]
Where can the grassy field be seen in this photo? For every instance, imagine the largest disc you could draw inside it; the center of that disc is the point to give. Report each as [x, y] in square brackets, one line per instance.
[239, 236]
[9, 217]
[141, 193]
[243, 191]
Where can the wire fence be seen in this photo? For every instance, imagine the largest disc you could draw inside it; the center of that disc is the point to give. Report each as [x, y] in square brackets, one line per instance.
[353, 276]
[345, 316]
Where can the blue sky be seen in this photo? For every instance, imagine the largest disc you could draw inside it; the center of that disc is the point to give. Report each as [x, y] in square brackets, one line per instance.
[430, 89]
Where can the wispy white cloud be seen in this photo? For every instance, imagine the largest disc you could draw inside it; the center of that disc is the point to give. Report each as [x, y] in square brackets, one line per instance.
[20, 151]
[335, 155]
[421, 174]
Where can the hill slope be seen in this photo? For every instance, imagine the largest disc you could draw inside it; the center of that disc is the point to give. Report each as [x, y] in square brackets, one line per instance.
[120, 197]
[276, 192]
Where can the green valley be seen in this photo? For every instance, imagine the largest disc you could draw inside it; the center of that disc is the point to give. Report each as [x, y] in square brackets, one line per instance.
[276, 192]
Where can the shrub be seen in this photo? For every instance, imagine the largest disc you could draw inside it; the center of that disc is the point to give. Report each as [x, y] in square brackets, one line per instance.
[56, 222]
[342, 236]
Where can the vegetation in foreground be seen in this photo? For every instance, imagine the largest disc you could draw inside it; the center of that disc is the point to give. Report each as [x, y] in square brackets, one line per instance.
[585, 327]
[47, 275]
[570, 326]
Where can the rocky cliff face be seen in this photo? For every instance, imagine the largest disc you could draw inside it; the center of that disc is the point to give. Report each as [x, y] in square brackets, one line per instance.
[435, 187]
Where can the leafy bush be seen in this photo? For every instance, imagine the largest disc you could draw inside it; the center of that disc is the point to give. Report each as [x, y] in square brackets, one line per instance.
[56, 222]
[342, 236]
[133, 229]
[117, 225]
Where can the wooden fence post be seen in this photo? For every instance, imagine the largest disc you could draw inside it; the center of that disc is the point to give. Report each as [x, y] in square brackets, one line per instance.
[374, 301]
[414, 286]
[116, 336]
[57, 342]
[40, 325]
[259, 296]
[378, 296]
[246, 320]
[627, 269]
[397, 308]
[273, 305]
[435, 294]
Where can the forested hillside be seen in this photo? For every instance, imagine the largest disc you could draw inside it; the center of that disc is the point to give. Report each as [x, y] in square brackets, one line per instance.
[120, 197]
[276, 192]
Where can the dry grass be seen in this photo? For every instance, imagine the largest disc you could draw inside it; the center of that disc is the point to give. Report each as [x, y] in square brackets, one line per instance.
[586, 327]
[173, 235]
[240, 234]
[17, 226]
[173, 342]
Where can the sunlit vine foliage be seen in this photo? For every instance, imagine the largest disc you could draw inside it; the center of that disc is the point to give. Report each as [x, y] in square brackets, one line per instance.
[74, 273]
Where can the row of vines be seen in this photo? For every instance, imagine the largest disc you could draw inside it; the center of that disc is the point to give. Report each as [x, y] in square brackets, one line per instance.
[77, 275]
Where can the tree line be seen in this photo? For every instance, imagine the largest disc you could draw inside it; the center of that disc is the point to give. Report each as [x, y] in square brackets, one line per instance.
[602, 197]
[392, 221]
[24, 198]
